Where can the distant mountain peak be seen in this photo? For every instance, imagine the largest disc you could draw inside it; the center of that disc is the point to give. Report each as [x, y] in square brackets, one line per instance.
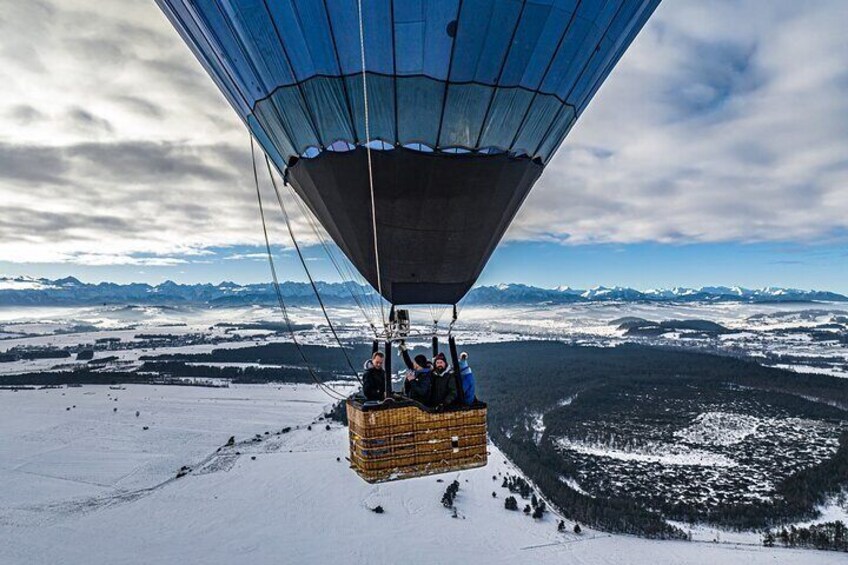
[509, 293]
[67, 281]
[29, 291]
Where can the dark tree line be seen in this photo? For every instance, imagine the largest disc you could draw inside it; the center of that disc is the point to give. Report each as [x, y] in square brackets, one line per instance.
[239, 375]
[151, 372]
[829, 535]
[325, 359]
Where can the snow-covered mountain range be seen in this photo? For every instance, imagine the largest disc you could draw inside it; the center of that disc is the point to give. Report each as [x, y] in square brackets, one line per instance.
[28, 291]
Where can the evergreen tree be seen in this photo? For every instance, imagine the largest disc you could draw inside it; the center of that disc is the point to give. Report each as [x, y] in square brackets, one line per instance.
[784, 537]
[768, 539]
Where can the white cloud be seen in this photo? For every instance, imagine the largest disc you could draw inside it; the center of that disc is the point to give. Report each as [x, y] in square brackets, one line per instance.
[115, 147]
[250, 256]
[726, 121]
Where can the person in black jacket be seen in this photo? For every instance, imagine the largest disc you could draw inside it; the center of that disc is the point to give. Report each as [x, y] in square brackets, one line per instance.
[443, 391]
[374, 377]
[418, 379]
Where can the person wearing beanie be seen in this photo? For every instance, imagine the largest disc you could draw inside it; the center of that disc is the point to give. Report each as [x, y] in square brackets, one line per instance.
[443, 390]
[438, 378]
[417, 385]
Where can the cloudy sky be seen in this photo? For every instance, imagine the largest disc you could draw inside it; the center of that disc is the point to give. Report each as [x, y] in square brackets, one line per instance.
[716, 153]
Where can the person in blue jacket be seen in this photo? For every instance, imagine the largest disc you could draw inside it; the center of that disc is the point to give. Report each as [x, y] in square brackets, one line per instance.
[466, 379]
[464, 376]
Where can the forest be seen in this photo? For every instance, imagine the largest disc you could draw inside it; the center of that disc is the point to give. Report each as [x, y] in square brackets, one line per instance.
[518, 379]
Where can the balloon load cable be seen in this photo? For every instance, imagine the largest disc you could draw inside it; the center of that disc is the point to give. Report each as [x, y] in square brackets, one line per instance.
[327, 389]
[345, 273]
[306, 269]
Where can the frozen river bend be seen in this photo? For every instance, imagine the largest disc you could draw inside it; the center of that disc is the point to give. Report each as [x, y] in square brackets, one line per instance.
[85, 482]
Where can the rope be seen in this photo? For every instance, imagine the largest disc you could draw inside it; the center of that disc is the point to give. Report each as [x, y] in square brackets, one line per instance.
[326, 389]
[306, 269]
[368, 152]
[344, 273]
[436, 313]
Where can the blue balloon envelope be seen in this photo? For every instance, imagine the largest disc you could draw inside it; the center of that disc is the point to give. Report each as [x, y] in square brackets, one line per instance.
[467, 100]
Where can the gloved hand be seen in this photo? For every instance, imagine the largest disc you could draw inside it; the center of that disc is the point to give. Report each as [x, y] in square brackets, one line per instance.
[402, 345]
[463, 356]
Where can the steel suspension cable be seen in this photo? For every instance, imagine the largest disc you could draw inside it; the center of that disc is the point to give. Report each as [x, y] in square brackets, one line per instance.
[328, 390]
[344, 274]
[306, 269]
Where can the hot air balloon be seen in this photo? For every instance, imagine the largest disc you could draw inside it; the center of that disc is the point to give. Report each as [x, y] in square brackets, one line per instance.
[467, 102]
[412, 129]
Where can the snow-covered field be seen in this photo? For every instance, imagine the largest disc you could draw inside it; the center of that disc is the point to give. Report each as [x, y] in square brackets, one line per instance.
[719, 428]
[764, 331]
[664, 454]
[810, 337]
[84, 483]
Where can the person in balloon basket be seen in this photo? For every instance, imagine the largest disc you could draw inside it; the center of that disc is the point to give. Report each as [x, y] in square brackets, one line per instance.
[374, 376]
[462, 376]
[453, 385]
[443, 388]
[466, 381]
[445, 383]
[418, 383]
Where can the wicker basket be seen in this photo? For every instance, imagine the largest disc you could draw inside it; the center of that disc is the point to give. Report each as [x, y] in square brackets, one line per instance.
[401, 439]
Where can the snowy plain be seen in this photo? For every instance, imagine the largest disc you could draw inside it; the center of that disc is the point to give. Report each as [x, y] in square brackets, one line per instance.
[89, 485]
[85, 483]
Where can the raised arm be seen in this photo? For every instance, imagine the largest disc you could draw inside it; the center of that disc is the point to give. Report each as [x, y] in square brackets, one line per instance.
[454, 355]
[406, 359]
[458, 393]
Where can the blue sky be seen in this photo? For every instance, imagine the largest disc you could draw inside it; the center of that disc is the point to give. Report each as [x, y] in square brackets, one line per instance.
[642, 266]
[714, 154]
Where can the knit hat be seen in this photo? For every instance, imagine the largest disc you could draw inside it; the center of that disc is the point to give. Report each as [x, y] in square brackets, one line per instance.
[440, 356]
[421, 360]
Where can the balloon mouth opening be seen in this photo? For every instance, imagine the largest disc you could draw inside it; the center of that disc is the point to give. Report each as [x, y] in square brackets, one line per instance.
[344, 146]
